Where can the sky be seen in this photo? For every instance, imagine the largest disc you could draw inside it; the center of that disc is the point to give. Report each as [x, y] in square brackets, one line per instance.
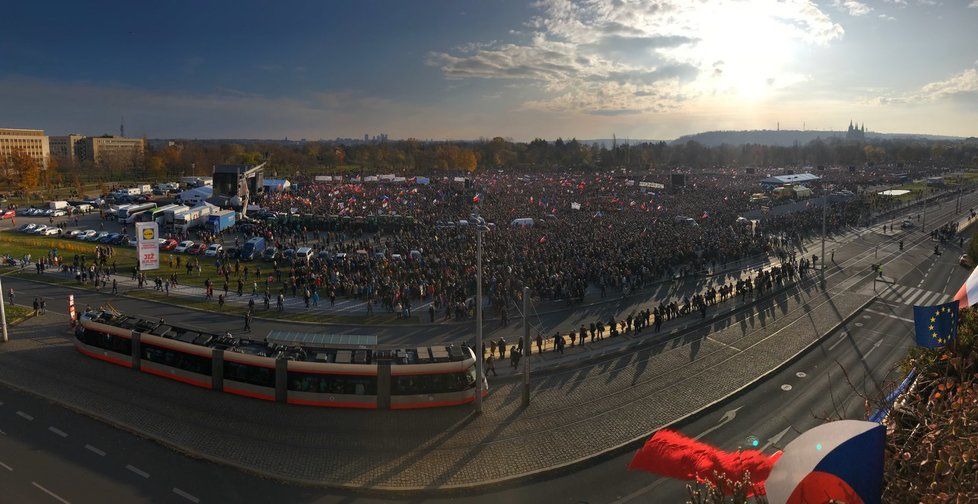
[465, 69]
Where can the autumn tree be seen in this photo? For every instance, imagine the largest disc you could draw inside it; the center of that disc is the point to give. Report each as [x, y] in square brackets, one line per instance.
[25, 169]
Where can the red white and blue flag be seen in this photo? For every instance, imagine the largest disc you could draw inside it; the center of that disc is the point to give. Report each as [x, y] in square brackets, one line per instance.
[835, 462]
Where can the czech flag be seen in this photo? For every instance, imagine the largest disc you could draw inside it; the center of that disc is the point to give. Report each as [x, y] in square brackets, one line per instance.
[968, 293]
[838, 461]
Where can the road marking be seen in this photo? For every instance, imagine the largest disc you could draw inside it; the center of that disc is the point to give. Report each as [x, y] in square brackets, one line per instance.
[185, 495]
[5, 466]
[25, 416]
[58, 431]
[875, 346]
[842, 337]
[727, 417]
[52, 494]
[775, 439]
[137, 470]
[892, 316]
[786, 387]
[95, 450]
[801, 374]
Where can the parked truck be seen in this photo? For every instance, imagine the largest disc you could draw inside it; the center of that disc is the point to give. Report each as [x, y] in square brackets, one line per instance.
[221, 220]
[58, 205]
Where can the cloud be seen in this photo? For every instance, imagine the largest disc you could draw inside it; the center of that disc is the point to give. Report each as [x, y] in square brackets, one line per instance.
[222, 112]
[973, 4]
[960, 85]
[854, 7]
[628, 56]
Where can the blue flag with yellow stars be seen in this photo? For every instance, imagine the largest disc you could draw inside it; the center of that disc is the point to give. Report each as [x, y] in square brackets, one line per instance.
[936, 326]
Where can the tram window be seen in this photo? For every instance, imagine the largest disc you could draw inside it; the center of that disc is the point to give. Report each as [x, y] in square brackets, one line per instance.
[246, 373]
[106, 342]
[332, 384]
[179, 360]
[432, 384]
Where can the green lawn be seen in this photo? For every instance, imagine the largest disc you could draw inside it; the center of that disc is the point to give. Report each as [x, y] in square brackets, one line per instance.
[18, 244]
[16, 313]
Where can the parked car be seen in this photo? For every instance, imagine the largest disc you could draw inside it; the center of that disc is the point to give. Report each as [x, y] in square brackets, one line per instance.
[86, 234]
[39, 229]
[906, 224]
[59, 213]
[197, 249]
[168, 245]
[183, 246]
[98, 236]
[270, 254]
[9, 214]
[73, 233]
[52, 231]
[27, 228]
[109, 238]
[213, 250]
[120, 240]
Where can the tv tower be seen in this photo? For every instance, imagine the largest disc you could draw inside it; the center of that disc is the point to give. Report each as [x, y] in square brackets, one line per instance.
[122, 126]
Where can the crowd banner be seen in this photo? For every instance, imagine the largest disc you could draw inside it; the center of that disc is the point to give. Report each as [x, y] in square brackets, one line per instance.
[148, 245]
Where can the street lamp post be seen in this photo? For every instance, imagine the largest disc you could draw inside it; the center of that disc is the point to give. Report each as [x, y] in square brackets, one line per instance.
[825, 204]
[479, 371]
[3, 316]
[526, 346]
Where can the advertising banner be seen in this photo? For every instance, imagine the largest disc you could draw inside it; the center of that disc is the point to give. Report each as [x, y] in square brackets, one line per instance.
[148, 245]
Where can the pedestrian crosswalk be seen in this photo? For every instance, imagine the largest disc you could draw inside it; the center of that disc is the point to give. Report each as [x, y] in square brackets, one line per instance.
[913, 296]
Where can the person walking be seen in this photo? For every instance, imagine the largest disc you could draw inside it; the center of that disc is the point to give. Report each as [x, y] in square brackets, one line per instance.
[491, 366]
[247, 321]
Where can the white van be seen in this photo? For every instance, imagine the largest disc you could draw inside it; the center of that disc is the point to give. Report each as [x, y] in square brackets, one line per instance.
[304, 254]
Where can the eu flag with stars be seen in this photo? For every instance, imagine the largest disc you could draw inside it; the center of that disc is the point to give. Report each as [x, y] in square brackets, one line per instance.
[936, 326]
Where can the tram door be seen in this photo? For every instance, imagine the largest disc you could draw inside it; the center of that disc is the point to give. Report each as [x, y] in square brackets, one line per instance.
[384, 384]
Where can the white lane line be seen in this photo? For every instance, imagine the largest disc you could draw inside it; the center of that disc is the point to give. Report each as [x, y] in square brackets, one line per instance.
[5, 466]
[58, 431]
[25, 416]
[892, 316]
[95, 450]
[137, 470]
[52, 494]
[185, 495]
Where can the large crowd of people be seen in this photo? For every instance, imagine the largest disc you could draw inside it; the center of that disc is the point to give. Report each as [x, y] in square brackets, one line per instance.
[602, 233]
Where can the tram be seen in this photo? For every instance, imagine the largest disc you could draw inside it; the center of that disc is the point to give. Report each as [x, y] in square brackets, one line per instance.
[311, 369]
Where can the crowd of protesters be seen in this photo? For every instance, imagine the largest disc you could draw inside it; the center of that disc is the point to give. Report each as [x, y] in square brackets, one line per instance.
[598, 233]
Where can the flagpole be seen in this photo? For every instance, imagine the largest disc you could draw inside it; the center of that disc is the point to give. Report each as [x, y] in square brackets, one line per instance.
[479, 369]
[825, 204]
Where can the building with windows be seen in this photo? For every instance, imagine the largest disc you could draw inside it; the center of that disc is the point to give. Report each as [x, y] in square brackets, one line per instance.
[64, 148]
[33, 142]
[110, 150]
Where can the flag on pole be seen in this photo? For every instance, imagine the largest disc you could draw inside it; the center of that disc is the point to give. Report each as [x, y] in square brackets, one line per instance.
[935, 326]
[835, 462]
[475, 199]
[968, 293]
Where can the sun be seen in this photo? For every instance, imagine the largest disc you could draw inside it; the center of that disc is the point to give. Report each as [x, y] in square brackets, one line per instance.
[743, 50]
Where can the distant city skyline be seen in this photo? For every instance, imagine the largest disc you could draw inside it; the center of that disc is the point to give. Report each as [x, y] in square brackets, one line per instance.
[649, 69]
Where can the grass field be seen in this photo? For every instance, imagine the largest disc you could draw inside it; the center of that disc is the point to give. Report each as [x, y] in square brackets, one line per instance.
[16, 313]
[18, 244]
